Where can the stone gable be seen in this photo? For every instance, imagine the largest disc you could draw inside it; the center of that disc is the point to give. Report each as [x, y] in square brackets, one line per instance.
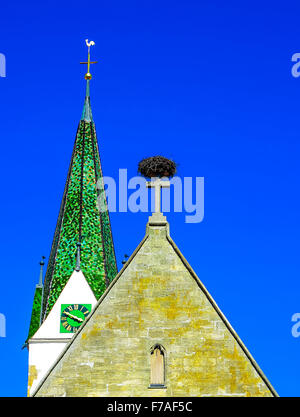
[156, 300]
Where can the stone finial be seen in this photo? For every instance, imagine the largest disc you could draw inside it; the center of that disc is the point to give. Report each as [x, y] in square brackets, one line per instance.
[42, 263]
[156, 168]
[78, 257]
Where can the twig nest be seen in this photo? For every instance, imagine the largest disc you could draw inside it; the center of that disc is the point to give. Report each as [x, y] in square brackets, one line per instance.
[157, 166]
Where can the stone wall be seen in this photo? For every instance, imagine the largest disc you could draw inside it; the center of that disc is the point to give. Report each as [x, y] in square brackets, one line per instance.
[156, 299]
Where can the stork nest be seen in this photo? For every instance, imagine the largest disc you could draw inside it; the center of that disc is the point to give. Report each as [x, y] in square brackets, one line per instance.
[157, 166]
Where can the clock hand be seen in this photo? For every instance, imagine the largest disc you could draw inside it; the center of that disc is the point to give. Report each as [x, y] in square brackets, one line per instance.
[74, 317]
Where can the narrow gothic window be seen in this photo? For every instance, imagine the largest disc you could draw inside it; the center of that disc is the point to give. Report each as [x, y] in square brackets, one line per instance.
[157, 367]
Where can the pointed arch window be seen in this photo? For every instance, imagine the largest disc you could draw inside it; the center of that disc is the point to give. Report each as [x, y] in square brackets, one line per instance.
[157, 367]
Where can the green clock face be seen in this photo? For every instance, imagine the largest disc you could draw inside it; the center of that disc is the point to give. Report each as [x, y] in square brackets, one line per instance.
[72, 316]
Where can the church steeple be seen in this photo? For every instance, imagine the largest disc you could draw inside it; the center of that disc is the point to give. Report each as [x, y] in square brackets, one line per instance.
[81, 219]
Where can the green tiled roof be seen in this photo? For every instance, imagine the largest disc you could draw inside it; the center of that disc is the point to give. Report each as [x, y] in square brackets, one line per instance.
[36, 312]
[80, 220]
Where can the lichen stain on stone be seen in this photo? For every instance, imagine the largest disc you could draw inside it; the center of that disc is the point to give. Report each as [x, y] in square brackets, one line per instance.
[32, 375]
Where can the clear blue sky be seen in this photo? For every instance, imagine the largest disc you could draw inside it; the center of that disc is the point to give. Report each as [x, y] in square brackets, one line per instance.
[207, 83]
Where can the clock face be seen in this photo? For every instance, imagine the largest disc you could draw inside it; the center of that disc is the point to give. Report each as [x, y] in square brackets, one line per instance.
[72, 316]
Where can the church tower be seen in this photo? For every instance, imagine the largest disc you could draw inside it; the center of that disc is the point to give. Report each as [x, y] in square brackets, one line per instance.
[82, 260]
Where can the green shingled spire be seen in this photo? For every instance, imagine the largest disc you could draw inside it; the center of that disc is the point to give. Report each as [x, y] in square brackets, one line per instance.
[80, 220]
[87, 110]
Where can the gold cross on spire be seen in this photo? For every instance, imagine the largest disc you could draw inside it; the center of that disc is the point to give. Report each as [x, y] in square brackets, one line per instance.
[88, 75]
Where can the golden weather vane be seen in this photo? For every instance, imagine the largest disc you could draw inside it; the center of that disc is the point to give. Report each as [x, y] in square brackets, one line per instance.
[88, 75]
